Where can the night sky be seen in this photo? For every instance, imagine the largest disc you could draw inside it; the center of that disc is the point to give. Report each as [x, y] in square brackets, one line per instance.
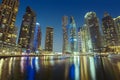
[50, 12]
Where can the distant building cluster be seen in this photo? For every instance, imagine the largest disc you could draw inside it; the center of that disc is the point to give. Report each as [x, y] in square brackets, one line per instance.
[96, 38]
[91, 37]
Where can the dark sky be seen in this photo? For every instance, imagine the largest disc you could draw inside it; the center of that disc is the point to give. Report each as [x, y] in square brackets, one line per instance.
[50, 12]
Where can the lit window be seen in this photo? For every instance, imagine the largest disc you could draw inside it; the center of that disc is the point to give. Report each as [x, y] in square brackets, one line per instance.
[16, 9]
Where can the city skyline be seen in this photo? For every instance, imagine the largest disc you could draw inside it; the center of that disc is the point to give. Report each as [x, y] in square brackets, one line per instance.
[59, 40]
[50, 13]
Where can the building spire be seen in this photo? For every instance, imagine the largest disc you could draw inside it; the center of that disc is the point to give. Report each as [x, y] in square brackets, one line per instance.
[106, 14]
[72, 19]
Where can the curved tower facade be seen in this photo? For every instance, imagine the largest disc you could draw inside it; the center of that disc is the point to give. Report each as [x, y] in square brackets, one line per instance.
[94, 36]
[37, 37]
[26, 36]
[73, 35]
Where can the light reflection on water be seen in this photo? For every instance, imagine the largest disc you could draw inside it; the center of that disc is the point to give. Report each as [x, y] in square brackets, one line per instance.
[118, 64]
[77, 67]
[1, 64]
[92, 68]
[51, 68]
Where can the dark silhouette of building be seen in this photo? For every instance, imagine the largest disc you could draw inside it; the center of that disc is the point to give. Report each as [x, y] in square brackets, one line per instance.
[49, 39]
[26, 36]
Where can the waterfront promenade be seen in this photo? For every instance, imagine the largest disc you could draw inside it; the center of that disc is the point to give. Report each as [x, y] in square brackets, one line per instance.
[39, 55]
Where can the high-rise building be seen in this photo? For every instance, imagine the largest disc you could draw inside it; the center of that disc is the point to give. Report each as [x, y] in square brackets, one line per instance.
[37, 37]
[49, 39]
[79, 40]
[73, 36]
[8, 12]
[92, 23]
[109, 32]
[117, 28]
[65, 33]
[85, 37]
[26, 36]
[116, 48]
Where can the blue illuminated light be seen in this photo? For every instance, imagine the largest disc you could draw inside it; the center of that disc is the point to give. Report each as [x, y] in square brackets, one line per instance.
[72, 72]
[36, 34]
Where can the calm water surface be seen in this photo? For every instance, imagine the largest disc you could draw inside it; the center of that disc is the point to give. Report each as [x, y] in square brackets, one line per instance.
[47, 68]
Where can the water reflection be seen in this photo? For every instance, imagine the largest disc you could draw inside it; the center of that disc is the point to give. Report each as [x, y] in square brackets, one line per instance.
[37, 68]
[74, 70]
[118, 64]
[92, 68]
[1, 65]
[51, 68]
[84, 68]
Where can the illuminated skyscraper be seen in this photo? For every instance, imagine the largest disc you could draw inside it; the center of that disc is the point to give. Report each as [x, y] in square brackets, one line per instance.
[79, 40]
[117, 28]
[86, 43]
[92, 23]
[49, 39]
[37, 37]
[65, 33]
[73, 36]
[8, 12]
[26, 36]
[109, 32]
